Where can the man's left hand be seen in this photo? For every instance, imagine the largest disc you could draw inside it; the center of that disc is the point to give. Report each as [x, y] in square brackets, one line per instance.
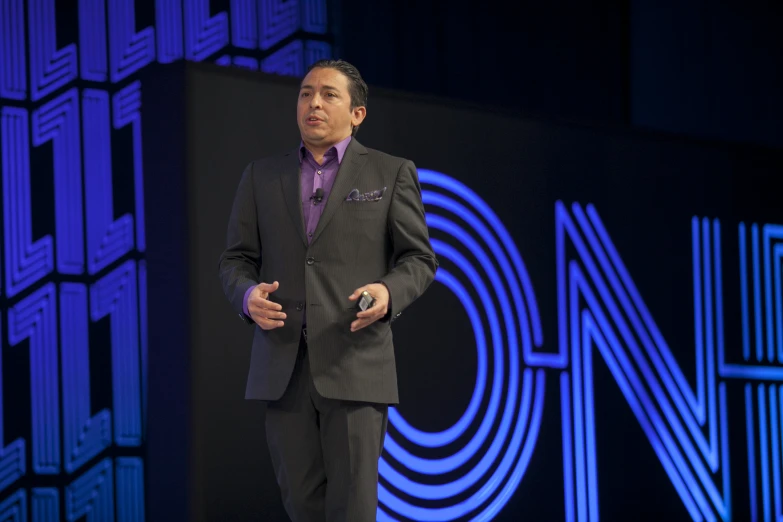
[380, 293]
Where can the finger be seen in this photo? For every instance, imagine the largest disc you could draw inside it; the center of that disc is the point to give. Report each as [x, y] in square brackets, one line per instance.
[361, 323]
[269, 288]
[260, 302]
[268, 324]
[356, 293]
[268, 314]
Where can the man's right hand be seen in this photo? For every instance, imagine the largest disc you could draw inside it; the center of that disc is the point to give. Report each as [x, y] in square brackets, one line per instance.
[265, 313]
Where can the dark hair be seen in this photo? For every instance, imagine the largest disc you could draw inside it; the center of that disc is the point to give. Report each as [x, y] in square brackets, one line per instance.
[357, 89]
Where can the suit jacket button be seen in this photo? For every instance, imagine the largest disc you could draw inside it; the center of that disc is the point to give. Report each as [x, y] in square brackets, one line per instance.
[299, 307]
[310, 260]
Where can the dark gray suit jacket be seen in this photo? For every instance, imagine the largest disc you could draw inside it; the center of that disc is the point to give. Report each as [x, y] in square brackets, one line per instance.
[355, 243]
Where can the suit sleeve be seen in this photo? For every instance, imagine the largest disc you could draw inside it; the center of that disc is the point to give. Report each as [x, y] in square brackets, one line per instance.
[240, 262]
[413, 260]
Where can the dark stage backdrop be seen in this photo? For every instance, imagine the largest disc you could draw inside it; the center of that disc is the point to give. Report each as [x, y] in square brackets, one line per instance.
[604, 336]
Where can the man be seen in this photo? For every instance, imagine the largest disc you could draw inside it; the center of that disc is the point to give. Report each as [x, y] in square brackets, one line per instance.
[310, 231]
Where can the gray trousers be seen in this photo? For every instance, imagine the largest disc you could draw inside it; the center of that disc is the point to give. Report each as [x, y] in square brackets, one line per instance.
[324, 451]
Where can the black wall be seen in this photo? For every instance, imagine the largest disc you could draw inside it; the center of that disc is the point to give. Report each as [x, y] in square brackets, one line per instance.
[705, 69]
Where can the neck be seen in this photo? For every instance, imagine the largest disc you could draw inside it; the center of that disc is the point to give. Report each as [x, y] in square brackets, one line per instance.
[319, 149]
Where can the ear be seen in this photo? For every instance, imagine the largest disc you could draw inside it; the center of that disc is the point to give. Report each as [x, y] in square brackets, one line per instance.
[358, 115]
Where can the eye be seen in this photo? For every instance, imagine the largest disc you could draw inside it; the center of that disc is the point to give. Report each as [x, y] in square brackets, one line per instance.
[304, 94]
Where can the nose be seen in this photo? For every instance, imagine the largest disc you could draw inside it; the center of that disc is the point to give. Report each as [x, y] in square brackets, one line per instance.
[315, 100]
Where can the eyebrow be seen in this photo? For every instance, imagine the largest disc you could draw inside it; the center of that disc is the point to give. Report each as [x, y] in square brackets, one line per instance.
[327, 87]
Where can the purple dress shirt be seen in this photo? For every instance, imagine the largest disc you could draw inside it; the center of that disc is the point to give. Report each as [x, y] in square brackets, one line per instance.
[312, 177]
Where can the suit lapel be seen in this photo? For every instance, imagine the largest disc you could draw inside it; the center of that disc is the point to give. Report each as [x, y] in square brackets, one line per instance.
[292, 191]
[350, 168]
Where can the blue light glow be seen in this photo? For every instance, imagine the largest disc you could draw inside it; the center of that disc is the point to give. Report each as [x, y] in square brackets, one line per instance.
[81, 262]
[26, 260]
[50, 68]
[34, 318]
[449, 435]
[129, 50]
[669, 412]
[13, 74]
[85, 435]
[520, 434]
[12, 456]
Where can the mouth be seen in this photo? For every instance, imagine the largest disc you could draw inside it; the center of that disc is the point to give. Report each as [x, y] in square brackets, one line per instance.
[313, 120]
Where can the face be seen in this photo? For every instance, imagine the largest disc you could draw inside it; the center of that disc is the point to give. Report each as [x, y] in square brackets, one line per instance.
[324, 111]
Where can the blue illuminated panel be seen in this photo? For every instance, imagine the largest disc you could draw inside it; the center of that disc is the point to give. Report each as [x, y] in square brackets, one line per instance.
[204, 35]
[168, 14]
[85, 435]
[288, 60]
[26, 260]
[92, 36]
[224, 60]
[246, 62]
[315, 51]
[91, 495]
[127, 111]
[13, 75]
[108, 239]
[602, 309]
[92, 252]
[34, 319]
[50, 68]
[12, 456]
[314, 16]
[14, 508]
[501, 445]
[129, 50]
[115, 295]
[130, 489]
[58, 121]
[244, 23]
[278, 19]
[144, 340]
[46, 504]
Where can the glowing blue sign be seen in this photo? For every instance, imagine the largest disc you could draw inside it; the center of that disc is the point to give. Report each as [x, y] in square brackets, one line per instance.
[514, 407]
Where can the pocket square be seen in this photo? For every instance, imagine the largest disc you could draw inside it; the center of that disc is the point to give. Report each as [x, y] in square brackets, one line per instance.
[373, 195]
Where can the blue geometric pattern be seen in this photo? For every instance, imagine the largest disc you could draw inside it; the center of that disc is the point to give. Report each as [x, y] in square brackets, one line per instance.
[85, 435]
[26, 260]
[108, 239]
[115, 295]
[469, 482]
[130, 51]
[278, 19]
[168, 14]
[60, 222]
[204, 35]
[314, 16]
[50, 68]
[12, 456]
[602, 309]
[92, 495]
[34, 319]
[14, 508]
[244, 24]
[13, 75]
[127, 111]
[92, 36]
[46, 504]
[287, 61]
[130, 485]
[58, 121]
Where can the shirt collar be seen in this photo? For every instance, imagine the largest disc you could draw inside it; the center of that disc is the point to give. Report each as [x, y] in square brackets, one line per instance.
[338, 148]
